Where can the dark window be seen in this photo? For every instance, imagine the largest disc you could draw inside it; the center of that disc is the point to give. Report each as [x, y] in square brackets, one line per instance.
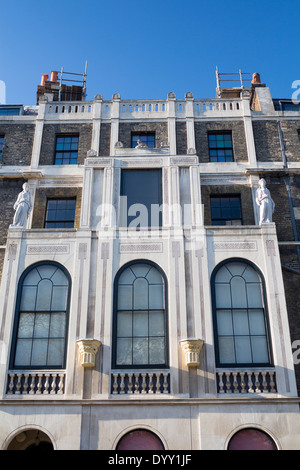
[1, 146]
[226, 210]
[240, 317]
[251, 439]
[141, 192]
[220, 147]
[66, 150]
[60, 213]
[299, 135]
[146, 139]
[140, 439]
[41, 317]
[10, 111]
[140, 317]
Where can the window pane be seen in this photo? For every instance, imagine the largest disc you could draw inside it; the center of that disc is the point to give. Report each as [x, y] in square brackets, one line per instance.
[238, 293]
[240, 322]
[257, 322]
[56, 352]
[224, 322]
[41, 325]
[124, 326]
[243, 349]
[26, 324]
[223, 297]
[140, 324]
[260, 349]
[125, 297]
[124, 351]
[156, 297]
[57, 325]
[23, 353]
[254, 295]
[156, 351]
[59, 298]
[141, 300]
[140, 351]
[226, 349]
[28, 298]
[44, 293]
[157, 323]
[39, 352]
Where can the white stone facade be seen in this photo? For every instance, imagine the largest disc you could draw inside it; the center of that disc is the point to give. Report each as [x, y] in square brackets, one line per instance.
[88, 404]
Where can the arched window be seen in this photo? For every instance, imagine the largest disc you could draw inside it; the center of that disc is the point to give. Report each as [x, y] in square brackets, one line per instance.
[251, 439]
[41, 317]
[140, 439]
[240, 315]
[140, 322]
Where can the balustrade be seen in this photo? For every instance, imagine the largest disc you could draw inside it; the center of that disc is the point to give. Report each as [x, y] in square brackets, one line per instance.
[35, 383]
[246, 381]
[140, 383]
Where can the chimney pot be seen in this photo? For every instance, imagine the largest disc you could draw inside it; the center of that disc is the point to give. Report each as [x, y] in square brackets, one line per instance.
[54, 76]
[44, 78]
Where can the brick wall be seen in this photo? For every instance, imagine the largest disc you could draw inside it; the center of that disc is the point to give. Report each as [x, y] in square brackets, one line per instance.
[104, 150]
[18, 141]
[238, 138]
[181, 138]
[267, 142]
[40, 203]
[291, 140]
[159, 128]
[49, 138]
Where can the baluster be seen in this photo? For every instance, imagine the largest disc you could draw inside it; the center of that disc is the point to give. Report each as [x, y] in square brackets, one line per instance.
[272, 382]
[136, 384]
[235, 382]
[61, 384]
[130, 384]
[227, 383]
[144, 385]
[25, 386]
[53, 384]
[122, 384]
[251, 379]
[115, 384]
[46, 385]
[18, 385]
[150, 383]
[165, 384]
[32, 384]
[39, 384]
[264, 382]
[257, 382]
[243, 382]
[220, 383]
[10, 390]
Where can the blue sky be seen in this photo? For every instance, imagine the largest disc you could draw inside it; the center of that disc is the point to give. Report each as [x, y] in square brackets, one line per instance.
[147, 49]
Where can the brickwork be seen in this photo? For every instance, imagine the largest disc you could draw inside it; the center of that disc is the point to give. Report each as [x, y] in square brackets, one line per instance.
[282, 214]
[267, 141]
[238, 138]
[181, 138]
[18, 141]
[243, 191]
[40, 203]
[104, 149]
[291, 140]
[159, 128]
[49, 138]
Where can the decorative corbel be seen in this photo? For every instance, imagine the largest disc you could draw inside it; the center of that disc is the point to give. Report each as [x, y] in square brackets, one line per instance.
[88, 349]
[192, 348]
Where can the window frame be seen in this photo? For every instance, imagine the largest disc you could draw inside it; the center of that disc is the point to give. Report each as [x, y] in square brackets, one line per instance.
[116, 366]
[235, 365]
[58, 152]
[58, 221]
[228, 196]
[217, 133]
[17, 318]
[142, 134]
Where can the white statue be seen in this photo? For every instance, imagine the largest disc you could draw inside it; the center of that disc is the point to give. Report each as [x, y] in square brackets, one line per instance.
[265, 203]
[22, 207]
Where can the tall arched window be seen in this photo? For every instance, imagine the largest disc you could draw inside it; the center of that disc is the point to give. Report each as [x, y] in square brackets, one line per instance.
[240, 315]
[41, 317]
[140, 323]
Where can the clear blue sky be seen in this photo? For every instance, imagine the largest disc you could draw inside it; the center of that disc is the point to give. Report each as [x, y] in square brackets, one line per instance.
[146, 49]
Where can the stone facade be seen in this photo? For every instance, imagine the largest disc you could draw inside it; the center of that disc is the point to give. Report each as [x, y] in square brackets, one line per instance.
[87, 402]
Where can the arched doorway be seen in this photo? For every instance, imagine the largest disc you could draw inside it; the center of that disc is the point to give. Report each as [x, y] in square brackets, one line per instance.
[31, 439]
[140, 439]
[251, 439]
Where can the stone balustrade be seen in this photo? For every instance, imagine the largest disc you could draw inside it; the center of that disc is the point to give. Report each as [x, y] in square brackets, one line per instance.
[35, 383]
[137, 383]
[246, 381]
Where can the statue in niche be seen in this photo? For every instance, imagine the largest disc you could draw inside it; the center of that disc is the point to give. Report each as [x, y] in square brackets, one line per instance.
[22, 207]
[141, 145]
[265, 203]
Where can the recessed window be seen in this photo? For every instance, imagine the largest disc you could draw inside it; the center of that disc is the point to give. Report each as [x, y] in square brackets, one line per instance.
[220, 147]
[140, 317]
[240, 318]
[66, 150]
[299, 135]
[147, 139]
[1, 146]
[60, 213]
[226, 210]
[141, 198]
[41, 319]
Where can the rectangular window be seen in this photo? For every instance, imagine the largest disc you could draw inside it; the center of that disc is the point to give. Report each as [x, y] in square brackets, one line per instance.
[220, 147]
[299, 135]
[141, 198]
[1, 146]
[60, 213]
[226, 210]
[147, 139]
[66, 150]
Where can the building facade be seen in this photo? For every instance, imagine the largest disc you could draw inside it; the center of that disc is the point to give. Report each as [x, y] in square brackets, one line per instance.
[149, 298]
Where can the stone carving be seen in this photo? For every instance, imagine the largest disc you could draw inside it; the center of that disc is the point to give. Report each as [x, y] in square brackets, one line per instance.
[192, 349]
[265, 203]
[141, 145]
[22, 207]
[88, 349]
